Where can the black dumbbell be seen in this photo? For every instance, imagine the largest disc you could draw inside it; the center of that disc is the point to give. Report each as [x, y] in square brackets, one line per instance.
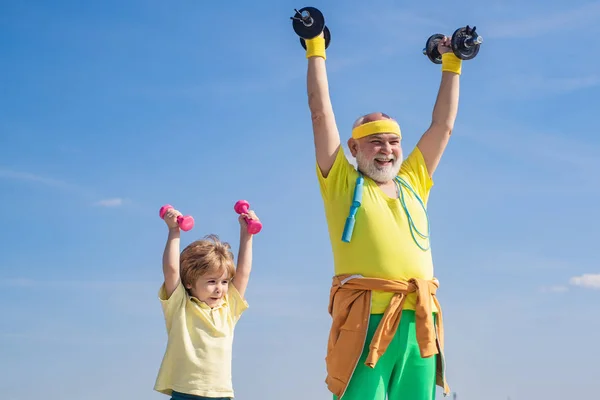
[431, 48]
[465, 43]
[308, 23]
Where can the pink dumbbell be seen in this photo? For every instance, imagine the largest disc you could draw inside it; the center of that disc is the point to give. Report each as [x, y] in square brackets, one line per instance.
[241, 207]
[185, 222]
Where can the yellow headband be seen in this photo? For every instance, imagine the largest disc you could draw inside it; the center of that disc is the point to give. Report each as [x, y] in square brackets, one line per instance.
[374, 127]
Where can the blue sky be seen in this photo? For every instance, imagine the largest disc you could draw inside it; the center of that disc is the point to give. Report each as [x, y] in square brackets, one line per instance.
[111, 109]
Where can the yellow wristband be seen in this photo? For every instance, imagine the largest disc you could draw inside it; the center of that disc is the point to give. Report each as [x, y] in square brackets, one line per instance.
[315, 47]
[451, 63]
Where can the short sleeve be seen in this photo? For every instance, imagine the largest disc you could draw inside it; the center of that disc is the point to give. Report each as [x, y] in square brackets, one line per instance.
[237, 303]
[337, 179]
[171, 305]
[414, 170]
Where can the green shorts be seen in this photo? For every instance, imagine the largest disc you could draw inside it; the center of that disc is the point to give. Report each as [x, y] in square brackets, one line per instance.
[400, 373]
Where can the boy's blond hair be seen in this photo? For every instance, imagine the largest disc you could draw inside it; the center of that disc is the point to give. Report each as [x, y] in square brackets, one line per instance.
[202, 256]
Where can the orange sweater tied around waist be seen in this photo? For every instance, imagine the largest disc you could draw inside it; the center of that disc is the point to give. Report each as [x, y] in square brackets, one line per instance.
[350, 309]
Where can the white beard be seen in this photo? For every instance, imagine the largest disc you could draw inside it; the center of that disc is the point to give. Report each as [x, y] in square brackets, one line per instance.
[378, 173]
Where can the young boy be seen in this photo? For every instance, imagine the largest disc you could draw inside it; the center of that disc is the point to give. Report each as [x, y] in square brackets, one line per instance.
[201, 302]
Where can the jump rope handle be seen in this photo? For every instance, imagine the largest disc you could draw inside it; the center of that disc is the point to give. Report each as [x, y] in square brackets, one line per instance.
[242, 207]
[356, 202]
[185, 222]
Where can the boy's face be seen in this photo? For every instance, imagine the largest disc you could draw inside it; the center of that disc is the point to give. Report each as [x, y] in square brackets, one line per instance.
[211, 287]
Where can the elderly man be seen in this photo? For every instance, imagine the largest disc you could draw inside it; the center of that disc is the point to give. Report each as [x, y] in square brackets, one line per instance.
[386, 338]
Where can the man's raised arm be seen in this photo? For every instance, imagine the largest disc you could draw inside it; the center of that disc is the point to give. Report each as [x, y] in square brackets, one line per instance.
[326, 134]
[434, 141]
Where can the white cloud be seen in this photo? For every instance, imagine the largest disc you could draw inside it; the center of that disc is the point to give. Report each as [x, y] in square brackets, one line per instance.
[390, 18]
[551, 148]
[7, 173]
[554, 289]
[544, 24]
[590, 281]
[18, 282]
[73, 285]
[569, 84]
[537, 86]
[114, 202]
[26, 176]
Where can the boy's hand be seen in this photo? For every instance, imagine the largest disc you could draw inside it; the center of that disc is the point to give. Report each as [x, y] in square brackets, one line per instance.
[244, 224]
[171, 219]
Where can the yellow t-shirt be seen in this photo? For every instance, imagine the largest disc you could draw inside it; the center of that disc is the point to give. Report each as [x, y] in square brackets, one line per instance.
[382, 245]
[197, 360]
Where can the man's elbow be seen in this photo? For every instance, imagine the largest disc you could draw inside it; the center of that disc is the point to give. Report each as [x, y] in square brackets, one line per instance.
[442, 128]
[316, 104]
[317, 116]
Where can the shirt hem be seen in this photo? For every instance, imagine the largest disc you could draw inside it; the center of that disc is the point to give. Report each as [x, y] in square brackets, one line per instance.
[195, 392]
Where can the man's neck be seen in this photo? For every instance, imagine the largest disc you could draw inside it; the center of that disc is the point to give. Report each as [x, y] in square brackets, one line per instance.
[390, 188]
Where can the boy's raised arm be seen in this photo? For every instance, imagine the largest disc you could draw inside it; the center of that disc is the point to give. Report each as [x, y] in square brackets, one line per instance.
[244, 263]
[171, 252]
